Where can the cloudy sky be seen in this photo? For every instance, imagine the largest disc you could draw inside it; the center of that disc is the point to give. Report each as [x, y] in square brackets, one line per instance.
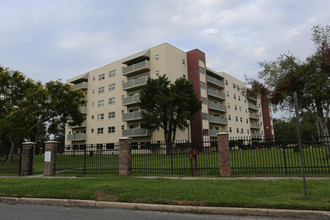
[59, 39]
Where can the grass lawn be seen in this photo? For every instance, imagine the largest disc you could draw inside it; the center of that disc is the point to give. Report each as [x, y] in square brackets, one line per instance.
[286, 194]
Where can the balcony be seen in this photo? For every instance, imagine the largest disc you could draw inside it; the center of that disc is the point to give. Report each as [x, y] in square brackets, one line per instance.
[256, 136]
[254, 126]
[254, 116]
[215, 82]
[82, 85]
[214, 132]
[253, 106]
[216, 94]
[131, 100]
[132, 116]
[218, 120]
[136, 68]
[136, 132]
[135, 84]
[83, 125]
[76, 137]
[253, 98]
[217, 107]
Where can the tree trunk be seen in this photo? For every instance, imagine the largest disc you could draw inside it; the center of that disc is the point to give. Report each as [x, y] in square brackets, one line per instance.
[11, 154]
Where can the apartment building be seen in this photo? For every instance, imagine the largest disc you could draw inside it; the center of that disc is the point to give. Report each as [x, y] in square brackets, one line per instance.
[112, 95]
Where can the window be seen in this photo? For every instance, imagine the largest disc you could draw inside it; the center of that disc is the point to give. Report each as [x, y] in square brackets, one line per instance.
[201, 70]
[122, 127]
[245, 110]
[93, 78]
[101, 90]
[236, 118]
[248, 131]
[241, 119]
[100, 103]
[227, 94]
[93, 91]
[237, 130]
[111, 129]
[92, 130]
[205, 116]
[183, 62]
[110, 146]
[157, 57]
[239, 98]
[229, 117]
[112, 73]
[92, 104]
[226, 82]
[228, 105]
[234, 96]
[237, 87]
[204, 100]
[242, 131]
[111, 114]
[247, 121]
[100, 116]
[92, 117]
[112, 86]
[205, 132]
[157, 72]
[101, 76]
[203, 85]
[234, 86]
[235, 107]
[112, 100]
[230, 130]
[240, 108]
[100, 130]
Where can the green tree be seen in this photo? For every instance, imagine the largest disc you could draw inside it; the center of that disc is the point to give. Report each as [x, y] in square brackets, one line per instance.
[287, 128]
[309, 78]
[26, 105]
[168, 106]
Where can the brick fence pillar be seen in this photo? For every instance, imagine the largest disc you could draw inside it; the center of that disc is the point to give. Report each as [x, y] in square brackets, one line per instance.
[125, 156]
[50, 158]
[27, 158]
[224, 154]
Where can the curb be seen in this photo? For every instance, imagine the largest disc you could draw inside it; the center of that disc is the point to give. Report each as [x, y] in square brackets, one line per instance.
[174, 208]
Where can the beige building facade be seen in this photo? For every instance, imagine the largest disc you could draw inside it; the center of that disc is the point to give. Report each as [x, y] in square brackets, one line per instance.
[112, 95]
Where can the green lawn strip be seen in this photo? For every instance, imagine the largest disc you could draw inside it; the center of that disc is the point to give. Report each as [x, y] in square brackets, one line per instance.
[286, 194]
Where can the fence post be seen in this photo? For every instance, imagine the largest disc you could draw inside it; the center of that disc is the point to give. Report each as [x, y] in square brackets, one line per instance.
[50, 158]
[27, 158]
[125, 156]
[224, 154]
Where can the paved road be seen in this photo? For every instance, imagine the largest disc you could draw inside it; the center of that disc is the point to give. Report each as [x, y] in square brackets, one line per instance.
[45, 212]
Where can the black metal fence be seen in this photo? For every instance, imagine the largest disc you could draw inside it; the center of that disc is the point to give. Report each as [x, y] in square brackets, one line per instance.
[279, 157]
[180, 158]
[12, 168]
[88, 159]
[257, 157]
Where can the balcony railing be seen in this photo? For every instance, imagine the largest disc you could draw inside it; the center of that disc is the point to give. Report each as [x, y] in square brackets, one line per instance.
[253, 106]
[83, 125]
[82, 85]
[217, 107]
[218, 120]
[131, 116]
[255, 126]
[76, 137]
[136, 132]
[215, 82]
[253, 98]
[131, 100]
[135, 83]
[216, 94]
[136, 68]
[214, 132]
[254, 116]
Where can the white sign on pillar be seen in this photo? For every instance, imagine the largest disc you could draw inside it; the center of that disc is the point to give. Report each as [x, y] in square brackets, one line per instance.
[48, 155]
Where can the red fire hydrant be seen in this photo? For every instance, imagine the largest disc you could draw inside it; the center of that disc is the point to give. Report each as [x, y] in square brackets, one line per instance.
[193, 153]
